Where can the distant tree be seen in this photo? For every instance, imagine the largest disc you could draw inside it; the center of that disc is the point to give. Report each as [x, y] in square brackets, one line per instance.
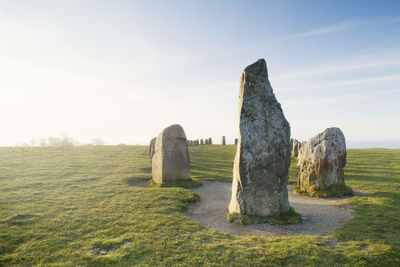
[53, 141]
[43, 141]
[31, 142]
[60, 141]
[66, 141]
[98, 142]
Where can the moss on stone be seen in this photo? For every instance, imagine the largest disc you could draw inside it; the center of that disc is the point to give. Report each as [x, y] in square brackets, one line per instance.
[335, 190]
[290, 217]
[186, 183]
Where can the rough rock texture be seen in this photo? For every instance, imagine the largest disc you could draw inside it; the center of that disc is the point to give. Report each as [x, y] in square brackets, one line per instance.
[261, 167]
[236, 141]
[223, 142]
[171, 158]
[295, 147]
[151, 146]
[321, 161]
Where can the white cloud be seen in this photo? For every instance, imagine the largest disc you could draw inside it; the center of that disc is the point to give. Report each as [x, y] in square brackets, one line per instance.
[343, 26]
[350, 82]
[344, 67]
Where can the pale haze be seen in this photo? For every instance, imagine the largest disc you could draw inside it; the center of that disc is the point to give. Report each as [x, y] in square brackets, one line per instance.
[124, 70]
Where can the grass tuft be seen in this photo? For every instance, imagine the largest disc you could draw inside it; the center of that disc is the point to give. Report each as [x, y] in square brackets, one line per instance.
[187, 183]
[290, 217]
[335, 190]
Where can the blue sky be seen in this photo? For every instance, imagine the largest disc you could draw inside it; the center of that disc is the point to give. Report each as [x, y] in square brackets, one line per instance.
[124, 70]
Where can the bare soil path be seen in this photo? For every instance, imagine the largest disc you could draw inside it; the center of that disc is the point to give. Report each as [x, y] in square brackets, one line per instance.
[320, 216]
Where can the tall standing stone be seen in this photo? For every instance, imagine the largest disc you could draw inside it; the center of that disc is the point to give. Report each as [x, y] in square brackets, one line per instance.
[223, 142]
[171, 158]
[261, 167]
[321, 161]
[151, 146]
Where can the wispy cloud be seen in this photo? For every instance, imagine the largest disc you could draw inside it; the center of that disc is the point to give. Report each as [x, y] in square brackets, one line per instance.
[342, 26]
[344, 83]
[390, 21]
[353, 97]
[329, 69]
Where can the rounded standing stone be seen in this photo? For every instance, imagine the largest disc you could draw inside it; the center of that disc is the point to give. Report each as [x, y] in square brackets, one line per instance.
[322, 160]
[295, 147]
[171, 158]
[151, 146]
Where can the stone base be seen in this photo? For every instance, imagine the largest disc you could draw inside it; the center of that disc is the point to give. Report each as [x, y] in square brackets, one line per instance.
[185, 183]
[290, 217]
[335, 190]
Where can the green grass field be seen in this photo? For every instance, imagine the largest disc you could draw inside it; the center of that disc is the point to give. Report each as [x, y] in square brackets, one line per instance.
[78, 206]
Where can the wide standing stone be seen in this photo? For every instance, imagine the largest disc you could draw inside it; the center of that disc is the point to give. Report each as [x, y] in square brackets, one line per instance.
[261, 167]
[151, 146]
[171, 158]
[321, 161]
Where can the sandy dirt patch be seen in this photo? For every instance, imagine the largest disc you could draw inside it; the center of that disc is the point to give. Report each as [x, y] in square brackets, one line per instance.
[320, 216]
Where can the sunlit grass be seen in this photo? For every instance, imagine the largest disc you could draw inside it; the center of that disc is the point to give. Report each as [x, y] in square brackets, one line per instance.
[79, 206]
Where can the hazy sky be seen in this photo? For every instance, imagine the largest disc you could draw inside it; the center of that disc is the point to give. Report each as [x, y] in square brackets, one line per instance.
[124, 70]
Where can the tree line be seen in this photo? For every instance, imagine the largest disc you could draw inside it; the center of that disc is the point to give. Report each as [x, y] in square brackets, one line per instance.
[61, 141]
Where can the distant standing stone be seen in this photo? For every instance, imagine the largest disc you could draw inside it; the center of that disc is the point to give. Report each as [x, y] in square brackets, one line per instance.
[295, 147]
[201, 142]
[171, 158]
[151, 146]
[210, 141]
[321, 161]
[236, 141]
[223, 142]
[206, 141]
[261, 166]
